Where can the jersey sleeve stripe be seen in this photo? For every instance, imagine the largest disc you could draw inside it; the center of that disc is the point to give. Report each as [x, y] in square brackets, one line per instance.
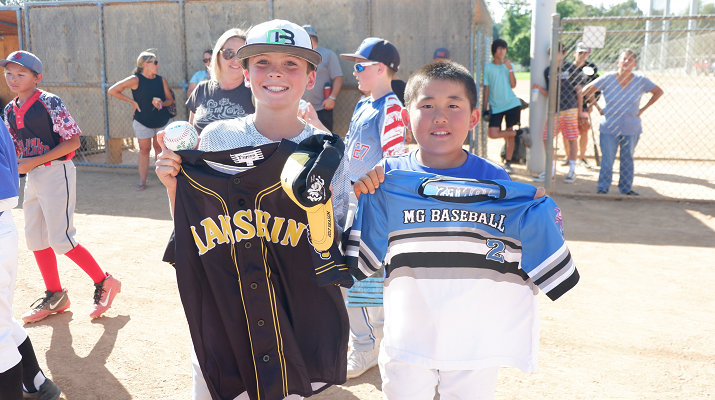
[396, 124]
[545, 266]
[394, 108]
[371, 262]
[554, 270]
[394, 142]
[565, 285]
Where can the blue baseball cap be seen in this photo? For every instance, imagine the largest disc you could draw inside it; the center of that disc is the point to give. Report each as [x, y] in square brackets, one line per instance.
[310, 30]
[442, 52]
[24, 58]
[376, 49]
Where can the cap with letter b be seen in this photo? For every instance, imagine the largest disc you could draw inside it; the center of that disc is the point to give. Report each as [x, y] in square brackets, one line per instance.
[279, 36]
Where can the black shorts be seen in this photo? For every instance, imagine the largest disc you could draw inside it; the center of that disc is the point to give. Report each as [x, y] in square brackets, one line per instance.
[512, 116]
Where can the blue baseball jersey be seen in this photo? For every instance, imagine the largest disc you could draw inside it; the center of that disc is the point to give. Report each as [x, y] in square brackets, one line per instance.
[463, 260]
[376, 131]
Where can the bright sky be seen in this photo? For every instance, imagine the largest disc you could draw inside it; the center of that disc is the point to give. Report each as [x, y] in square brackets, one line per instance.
[675, 5]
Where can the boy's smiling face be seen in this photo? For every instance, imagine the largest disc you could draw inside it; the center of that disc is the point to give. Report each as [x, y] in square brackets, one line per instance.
[278, 80]
[21, 80]
[440, 118]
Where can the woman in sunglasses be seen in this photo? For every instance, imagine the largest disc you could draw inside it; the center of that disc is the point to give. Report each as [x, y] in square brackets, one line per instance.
[224, 95]
[150, 98]
[202, 75]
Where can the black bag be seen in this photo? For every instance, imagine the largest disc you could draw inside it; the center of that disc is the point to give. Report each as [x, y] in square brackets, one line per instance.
[519, 156]
[172, 108]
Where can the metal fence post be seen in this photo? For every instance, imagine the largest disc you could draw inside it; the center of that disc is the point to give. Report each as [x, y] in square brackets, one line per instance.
[486, 44]
[103, 84]
[553, 97]
[369, 18]
[26, 15]
[184, 50]
[476, 46]
[664, 38]
[20, 37]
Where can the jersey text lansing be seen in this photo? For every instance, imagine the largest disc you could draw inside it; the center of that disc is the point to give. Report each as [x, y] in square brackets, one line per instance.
[249, 224]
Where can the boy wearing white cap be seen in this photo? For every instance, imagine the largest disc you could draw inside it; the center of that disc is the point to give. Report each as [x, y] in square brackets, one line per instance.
[279, 65]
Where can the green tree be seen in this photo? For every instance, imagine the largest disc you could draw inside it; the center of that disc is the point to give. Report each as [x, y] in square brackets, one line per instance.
[516, 29]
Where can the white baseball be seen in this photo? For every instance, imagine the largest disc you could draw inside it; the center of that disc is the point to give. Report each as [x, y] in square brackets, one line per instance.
[180, 135]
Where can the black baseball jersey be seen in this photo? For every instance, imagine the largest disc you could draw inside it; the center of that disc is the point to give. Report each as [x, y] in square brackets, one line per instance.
[40, 124]
[250, 281]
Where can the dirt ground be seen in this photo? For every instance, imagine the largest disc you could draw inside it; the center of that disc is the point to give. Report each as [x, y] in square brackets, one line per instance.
[639, 325]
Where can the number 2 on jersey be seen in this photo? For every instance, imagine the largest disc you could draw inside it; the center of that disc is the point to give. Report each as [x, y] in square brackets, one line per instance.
[497, 250]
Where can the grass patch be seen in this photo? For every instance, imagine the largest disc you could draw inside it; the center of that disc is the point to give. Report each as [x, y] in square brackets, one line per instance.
[523, 76]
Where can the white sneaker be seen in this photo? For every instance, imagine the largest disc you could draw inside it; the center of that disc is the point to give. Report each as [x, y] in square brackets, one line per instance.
[361, 361]
[539, 178]
[571, 177]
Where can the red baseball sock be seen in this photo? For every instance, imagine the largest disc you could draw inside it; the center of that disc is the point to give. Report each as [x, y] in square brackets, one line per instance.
[47, 261]
[84, 259]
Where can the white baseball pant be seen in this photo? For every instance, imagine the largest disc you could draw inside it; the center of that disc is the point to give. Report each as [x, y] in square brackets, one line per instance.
[12, 334]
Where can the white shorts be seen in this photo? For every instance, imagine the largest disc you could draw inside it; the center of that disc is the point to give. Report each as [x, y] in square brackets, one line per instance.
[142, 132]
[406, 381]
[49, 204]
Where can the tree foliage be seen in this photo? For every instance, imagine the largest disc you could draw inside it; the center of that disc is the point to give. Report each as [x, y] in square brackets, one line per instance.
[515, 26]
[516, 29]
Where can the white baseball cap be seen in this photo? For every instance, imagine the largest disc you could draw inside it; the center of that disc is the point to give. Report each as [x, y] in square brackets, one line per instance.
[279, 36]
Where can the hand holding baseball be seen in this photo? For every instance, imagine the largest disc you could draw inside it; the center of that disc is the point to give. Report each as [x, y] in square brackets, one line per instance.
[168, 164]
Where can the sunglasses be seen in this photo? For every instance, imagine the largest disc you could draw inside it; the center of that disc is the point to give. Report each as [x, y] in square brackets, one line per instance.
[228, 54]
[206, 60]
[359, 67]
[155, 62]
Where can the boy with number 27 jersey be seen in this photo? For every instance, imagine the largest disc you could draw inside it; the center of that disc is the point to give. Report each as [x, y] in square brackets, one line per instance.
[376, 131]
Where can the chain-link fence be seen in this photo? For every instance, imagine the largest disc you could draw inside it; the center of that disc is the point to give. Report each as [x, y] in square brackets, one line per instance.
[86, 46]
[660, 150]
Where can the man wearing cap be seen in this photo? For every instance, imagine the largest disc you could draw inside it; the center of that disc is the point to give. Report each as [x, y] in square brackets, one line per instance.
[441, 54]
[376, 131]
[590, 73]
[328, 81]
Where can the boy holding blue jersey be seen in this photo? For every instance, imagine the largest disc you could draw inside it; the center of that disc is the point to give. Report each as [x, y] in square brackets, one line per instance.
[453, 325]
[376, 131]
